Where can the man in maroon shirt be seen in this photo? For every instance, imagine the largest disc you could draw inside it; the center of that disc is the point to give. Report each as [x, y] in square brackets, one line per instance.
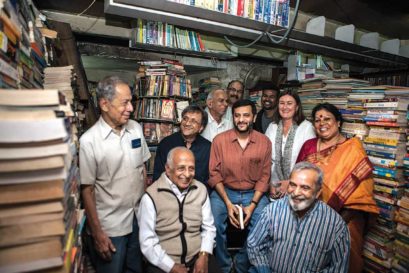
[239, 168]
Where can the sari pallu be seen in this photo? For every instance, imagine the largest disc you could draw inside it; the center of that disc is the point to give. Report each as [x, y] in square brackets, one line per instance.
[347, 174]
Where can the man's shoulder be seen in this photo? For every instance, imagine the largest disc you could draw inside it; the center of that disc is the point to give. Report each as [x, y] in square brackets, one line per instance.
[226, 135]
[260, 137]
[133, 125]
[332, 216]
[203, 141]
[91, 133]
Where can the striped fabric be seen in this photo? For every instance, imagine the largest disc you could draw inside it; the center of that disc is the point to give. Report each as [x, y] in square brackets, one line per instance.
[283, 242]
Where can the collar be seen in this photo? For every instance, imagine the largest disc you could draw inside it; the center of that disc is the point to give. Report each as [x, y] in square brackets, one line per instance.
[252, 137]
[184, 140]
[106, 130]
[212, 120]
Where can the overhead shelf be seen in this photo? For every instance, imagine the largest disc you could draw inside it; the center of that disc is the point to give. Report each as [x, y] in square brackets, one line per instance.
[244, 28]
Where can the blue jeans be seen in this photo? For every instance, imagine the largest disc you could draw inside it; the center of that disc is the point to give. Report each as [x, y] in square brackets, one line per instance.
[219, 210]
[127, 258]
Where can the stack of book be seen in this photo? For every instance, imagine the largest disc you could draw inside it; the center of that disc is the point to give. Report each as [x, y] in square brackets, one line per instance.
[386, 147]
[275, 12]
[22, 49]
[36, 178]
[310, 94]
[164, 34]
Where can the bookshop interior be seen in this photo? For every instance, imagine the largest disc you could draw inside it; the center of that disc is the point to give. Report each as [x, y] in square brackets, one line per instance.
[316, 94]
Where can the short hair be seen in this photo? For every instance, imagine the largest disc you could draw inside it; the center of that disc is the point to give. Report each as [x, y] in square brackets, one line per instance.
[305, 165]
[106, 88]
[330, 108]
[196, 109]
[265, 85]
[171, 154]
[299, 115]
[212, 91]
[233, 81]
[245, 102]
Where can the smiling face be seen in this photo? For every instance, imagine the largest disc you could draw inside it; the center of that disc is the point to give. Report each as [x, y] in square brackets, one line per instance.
[118, 111]
[243, 118]
[182, 169]
[303, 190]
[191, 124]
[218, 104]
[326, 126]
[269, 99]
[287, 107]
[235, 92]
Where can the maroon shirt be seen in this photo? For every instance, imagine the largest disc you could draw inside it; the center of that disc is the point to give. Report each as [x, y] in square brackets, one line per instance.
[237, 168]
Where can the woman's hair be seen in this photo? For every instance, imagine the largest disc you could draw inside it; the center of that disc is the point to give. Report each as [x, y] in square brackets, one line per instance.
[299, 114]
[329, 108]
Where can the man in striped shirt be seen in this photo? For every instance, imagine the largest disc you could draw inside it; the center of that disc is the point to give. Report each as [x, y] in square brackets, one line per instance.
[299, 233]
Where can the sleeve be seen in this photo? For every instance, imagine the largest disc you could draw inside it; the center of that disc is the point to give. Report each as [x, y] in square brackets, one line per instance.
[303, 153]
[148, 238]
[340, 252]
[146, 153]
[215, 163]
[260, 241]
[208, 233]
[270, 133]
[88, 164]
[262, 184]
[309, 131]
[160, 161]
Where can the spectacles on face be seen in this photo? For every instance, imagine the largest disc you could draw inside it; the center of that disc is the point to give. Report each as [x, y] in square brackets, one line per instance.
[192, 121]
[232, 89]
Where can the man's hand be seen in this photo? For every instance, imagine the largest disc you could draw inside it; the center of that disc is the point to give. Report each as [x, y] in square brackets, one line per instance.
[248, 211]
[233, 213]
[179, 268]
[103, 245]
[279, 190]
[201, 264]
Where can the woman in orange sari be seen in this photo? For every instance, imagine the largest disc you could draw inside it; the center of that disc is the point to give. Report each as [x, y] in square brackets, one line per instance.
[348, 182]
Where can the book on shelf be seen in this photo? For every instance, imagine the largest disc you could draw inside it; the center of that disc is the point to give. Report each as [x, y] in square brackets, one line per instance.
[167, 109]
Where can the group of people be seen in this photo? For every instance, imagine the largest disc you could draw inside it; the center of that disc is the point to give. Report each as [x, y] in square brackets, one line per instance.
[304, 189]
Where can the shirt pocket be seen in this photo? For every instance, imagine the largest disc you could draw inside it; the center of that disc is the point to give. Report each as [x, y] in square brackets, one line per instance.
[255, 169]
[136, 156]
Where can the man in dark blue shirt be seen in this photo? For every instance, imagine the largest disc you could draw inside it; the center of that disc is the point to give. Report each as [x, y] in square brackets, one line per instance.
[194, 120]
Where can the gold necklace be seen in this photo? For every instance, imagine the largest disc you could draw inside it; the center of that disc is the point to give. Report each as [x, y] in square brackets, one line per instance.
[332, 148]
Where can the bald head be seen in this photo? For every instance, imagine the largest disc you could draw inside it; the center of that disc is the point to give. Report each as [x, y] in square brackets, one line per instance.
[180, 167]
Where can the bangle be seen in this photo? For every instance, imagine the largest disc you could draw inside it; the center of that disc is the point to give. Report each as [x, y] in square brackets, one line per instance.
[203, 253]
[254, 202]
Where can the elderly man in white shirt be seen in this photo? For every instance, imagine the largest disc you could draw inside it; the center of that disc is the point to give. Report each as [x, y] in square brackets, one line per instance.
[112, 156]
[177, 229]
[216, 108]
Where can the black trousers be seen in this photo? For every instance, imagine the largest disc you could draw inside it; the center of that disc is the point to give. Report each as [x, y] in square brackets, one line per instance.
[213, 267]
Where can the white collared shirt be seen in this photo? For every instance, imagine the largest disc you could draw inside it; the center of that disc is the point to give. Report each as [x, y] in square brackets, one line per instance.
[114, 165]
[213, 128]
[149, 240]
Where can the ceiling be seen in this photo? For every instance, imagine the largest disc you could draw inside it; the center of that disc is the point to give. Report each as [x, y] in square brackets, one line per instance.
[390, 18]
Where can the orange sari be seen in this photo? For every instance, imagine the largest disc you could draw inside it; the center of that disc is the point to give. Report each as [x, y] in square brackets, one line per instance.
[347, 186]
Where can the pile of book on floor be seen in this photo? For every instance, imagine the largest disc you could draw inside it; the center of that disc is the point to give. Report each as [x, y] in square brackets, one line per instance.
[39, 212]
[385, 145]
[400, 262]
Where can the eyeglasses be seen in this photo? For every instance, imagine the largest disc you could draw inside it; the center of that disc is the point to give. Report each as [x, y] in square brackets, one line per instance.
[231, 89]
[192, 121]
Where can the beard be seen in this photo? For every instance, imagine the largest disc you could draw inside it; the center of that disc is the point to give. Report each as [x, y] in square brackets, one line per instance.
[248, 128]
[303, 205]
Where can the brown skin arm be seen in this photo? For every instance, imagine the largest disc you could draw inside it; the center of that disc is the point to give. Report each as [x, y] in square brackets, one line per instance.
[103, 244]
[201, 264]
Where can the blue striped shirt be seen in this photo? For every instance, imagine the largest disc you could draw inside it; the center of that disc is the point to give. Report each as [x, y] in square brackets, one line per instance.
[283, 242]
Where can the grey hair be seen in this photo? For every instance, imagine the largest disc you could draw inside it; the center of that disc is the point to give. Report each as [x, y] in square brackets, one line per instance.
[169, 159]
[212, 91]
[106, 88]
[304, 165]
